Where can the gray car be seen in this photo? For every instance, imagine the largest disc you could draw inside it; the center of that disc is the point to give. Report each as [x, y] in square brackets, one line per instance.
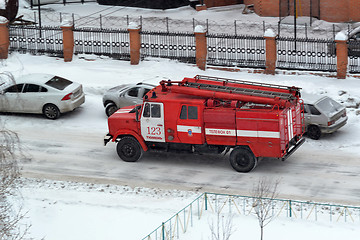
[124, 95]
[322, 115]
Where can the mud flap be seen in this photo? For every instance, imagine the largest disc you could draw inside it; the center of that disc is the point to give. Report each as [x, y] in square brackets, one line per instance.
[293, 149]
[107, 138]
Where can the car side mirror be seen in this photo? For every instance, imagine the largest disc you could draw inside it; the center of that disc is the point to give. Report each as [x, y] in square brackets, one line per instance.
[136, 110]
[137, 115]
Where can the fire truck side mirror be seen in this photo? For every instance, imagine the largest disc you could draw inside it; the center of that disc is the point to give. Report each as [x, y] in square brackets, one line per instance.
[137, 115]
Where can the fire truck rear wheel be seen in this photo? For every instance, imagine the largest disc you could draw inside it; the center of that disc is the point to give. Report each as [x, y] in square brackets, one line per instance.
[129, 149]
[242, 159]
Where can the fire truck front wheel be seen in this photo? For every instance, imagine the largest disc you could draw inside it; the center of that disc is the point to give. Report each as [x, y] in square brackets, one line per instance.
[129, 149]
[242, 159]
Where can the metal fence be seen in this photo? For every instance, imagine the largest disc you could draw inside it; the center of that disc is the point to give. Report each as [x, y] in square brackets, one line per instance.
[178, 224]
[34, 3]
[354, 56]
[36, 40]
[223, 49]
[179, 46]
[306, 54]
[117, 16]
[114, 43]
[236, 51]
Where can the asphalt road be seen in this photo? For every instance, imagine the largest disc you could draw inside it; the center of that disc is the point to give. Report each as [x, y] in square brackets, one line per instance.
[76, 153]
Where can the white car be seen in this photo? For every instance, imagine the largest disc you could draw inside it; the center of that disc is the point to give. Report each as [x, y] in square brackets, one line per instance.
[40, 93]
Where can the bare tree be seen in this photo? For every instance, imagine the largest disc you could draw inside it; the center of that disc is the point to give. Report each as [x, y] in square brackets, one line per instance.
[222, 229]
[10, 216]
[264, 193]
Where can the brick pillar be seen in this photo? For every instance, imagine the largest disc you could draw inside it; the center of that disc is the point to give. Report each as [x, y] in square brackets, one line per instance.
[135, 43]
[341, 55]
[201, 47]
[68, 42]
[4, 38]
[271, 52]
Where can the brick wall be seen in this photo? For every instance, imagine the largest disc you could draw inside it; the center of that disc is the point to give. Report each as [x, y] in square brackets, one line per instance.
[269, 8]
[330, 10]
[217, 3]
[354, 10]
[334, 10]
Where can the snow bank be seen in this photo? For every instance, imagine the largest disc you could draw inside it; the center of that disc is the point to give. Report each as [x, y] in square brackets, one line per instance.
[3, 19]
[340, 36]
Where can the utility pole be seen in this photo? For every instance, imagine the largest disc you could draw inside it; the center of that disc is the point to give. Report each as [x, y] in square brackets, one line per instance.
[39, 17]
[295, 15]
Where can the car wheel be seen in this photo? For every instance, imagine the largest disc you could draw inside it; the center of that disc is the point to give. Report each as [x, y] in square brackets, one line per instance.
[110, 109]
[314, 132]
[51, 111]
[242, 159]
[129, 149]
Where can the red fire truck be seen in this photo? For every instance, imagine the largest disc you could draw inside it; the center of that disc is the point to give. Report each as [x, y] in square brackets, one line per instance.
[212, 115]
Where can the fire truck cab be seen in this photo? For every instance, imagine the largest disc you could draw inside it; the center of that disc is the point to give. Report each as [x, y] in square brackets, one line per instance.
[212, 115]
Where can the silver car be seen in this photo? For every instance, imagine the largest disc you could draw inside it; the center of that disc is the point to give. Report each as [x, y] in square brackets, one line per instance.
[322, 115]
[124, 95]
[47, 94]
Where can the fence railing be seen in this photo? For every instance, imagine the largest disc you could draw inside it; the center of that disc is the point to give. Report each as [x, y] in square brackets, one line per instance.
[36, 40]
[306, 54]
[34, 3]
[179, 46]
[113, 43]
[107, 19]
[236, 51]
[179, 223]
[223, 50]
[354, 56]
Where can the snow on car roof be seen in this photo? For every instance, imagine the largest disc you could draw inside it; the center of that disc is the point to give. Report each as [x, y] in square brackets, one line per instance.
[36, 78]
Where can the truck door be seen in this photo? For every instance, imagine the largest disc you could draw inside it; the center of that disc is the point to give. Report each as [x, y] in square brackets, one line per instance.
[189, 124]
[152, 122]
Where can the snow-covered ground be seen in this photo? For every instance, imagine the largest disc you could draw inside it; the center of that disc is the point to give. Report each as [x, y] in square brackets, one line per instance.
[228, 19]
[59, 210]
[67, 210]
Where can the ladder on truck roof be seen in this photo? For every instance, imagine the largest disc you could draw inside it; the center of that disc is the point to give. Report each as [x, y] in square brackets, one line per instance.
[257, 84]
[244, 90]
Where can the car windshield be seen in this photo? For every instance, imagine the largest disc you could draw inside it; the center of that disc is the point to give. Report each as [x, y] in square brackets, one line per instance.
[328, 105]
[58, 83]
